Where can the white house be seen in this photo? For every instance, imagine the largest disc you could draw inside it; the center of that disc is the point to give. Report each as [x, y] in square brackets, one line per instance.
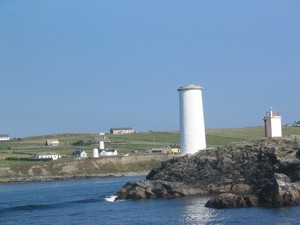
[126, 130]
[47, 155]
[52, 142]
[108, 152]
[4, 137]
[79, 154]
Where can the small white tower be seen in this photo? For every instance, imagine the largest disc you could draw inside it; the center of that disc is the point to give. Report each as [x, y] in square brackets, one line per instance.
[95, 153]
[192, 129]
[101, 143]
[272, 124]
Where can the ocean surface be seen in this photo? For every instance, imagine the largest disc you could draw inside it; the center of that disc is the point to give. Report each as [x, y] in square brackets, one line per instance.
[83, 202]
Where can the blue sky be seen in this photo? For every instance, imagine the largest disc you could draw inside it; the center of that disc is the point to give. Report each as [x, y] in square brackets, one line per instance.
[88, 66]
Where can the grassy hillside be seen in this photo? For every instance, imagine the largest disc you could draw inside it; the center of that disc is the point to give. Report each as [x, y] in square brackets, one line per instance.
[215, 137]
[135, 143]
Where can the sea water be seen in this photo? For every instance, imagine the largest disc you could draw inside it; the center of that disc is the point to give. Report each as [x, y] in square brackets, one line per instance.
[90, 202]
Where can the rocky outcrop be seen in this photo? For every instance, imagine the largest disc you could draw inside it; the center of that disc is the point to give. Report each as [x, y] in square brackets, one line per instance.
[280, 192]
[159, 189]
[258, 169]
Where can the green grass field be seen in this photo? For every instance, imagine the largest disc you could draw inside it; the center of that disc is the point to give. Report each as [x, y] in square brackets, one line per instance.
[127, 143]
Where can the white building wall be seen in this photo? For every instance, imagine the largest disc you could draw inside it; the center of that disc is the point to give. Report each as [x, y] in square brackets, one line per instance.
[274, 127]
[101, 145]
[108, 153]
[54, 157]
[95, 153]
[4, 138]
[192, 128]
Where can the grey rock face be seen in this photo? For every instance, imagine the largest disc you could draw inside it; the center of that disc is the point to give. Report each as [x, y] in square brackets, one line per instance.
[243, 169]
[280, 192]
[228, 200]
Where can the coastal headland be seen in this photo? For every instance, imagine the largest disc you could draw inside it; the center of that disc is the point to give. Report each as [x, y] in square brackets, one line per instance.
[263, 172]
[131, 160]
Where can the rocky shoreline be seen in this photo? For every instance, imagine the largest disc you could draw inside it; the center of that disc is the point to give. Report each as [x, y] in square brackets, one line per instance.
[36, 179]
[263, 172]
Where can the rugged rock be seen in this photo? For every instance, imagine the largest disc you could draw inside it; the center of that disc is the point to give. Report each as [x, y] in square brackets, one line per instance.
[280, 192]
[228, 200]
[244, 169]
[159, 189]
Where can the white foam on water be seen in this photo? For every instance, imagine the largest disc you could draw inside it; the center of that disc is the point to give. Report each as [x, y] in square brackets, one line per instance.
[110, 198]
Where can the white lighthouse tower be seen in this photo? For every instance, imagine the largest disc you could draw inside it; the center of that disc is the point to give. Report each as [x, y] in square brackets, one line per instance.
[192, 129]
[272, 122]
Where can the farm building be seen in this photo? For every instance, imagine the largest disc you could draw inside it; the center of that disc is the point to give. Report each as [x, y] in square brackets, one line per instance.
[296, 123]
[4, 137]
[173, 149]
[121, 130]
[47, 155]
[52, 142]
[108, 152]
[79, 154]
[157, 150]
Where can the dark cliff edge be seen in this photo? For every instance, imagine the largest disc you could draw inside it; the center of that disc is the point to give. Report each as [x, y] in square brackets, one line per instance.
[263, 172]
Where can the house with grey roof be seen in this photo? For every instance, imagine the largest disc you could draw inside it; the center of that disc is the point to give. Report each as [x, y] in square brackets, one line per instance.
[52, 142]
[79, 154]
[108, 152]
[296, 123]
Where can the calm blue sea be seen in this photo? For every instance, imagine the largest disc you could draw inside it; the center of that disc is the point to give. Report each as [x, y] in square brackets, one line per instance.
[81, 202]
